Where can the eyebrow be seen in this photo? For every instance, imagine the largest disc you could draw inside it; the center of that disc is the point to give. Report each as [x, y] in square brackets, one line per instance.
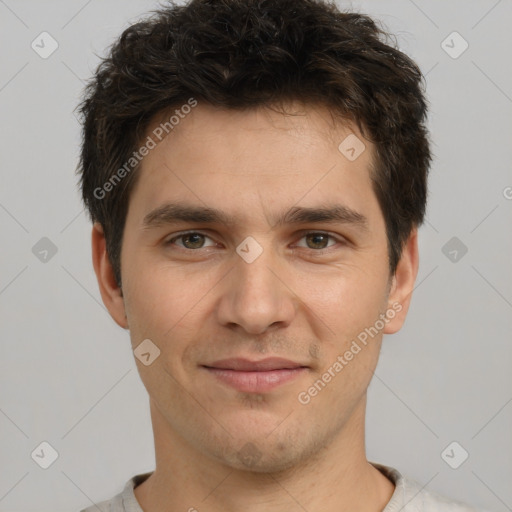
[172, 213]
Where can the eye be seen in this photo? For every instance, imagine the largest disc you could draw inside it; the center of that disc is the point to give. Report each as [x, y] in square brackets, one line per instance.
[318, 240]
[191, 240]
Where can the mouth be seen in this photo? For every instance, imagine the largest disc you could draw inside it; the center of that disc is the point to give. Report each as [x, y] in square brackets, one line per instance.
[255, 376]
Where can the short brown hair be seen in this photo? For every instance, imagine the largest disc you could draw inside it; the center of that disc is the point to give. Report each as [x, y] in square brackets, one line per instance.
[239, 54]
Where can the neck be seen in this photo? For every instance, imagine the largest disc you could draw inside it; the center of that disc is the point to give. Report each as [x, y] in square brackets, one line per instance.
[338, 479]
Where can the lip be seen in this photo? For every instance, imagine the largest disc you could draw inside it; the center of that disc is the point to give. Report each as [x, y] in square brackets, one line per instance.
[255, 376]
[246, 365]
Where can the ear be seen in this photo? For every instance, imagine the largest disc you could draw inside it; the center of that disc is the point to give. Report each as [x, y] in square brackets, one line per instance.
[110, 292]
[403, 284]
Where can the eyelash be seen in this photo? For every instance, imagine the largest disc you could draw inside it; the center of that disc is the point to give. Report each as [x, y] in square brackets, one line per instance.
[303, 235]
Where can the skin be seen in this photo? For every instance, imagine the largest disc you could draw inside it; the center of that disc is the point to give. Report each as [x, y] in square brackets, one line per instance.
[198, 301]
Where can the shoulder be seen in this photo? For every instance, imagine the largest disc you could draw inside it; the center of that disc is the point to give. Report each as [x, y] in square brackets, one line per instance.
[104, 506]
[125, 501]
[410, 496]
[429, 501]
[115, 504]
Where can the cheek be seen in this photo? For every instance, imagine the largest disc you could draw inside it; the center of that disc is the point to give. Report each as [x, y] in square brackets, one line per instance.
[164, 304]
[347, 300]
[160, 307]
[349, 309]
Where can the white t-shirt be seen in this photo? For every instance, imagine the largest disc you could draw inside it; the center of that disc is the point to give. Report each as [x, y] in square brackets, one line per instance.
[409, 496]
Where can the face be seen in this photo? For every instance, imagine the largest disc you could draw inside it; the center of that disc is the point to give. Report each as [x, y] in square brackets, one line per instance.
[255, 260]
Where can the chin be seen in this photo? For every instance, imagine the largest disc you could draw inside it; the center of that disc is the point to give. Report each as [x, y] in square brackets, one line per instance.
[250, 458]
[268, 456]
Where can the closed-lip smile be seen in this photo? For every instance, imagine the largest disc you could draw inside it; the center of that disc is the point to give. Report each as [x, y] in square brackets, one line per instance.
[255, 376]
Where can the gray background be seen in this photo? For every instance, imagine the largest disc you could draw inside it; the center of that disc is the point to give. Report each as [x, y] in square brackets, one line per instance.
[67, 374]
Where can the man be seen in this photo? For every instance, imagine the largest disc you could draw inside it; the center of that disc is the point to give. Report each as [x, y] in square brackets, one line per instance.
[256, 173]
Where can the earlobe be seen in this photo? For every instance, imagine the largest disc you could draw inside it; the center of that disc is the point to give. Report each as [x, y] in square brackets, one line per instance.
[403, 284]
[111, 293]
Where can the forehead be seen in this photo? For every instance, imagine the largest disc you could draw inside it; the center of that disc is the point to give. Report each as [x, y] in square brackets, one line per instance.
[235, 160]
[312, 126]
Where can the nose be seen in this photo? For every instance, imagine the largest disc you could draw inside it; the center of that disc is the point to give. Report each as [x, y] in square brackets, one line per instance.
[257, 296]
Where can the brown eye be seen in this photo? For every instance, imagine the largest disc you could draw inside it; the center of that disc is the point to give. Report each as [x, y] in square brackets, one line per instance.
[318, 240]
[193, 240]
[190, 240]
